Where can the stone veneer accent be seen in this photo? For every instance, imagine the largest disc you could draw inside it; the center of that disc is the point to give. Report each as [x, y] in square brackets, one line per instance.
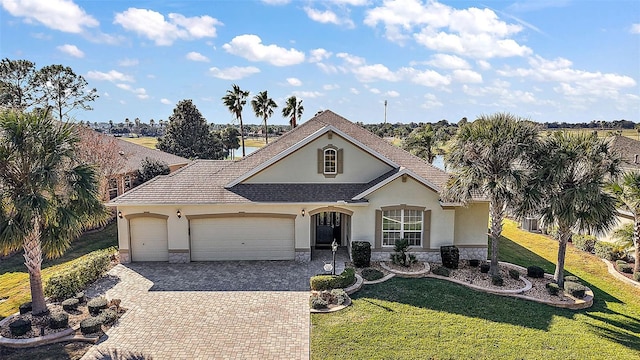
[466, 253]
[470, 253]
[179, 256]
[125, 256]
[303, 256]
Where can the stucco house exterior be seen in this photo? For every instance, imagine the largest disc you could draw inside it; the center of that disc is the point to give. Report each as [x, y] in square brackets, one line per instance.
[326, 179]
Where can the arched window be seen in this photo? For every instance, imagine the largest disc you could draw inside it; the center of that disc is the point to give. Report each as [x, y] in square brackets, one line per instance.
[330, 161]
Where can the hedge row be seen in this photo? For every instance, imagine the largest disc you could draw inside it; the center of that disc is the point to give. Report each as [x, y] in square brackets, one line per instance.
[329, 282]
[66, 283]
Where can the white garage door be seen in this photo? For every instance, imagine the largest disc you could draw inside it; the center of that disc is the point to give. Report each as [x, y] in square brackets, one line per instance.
[242, 238]
[149, 239]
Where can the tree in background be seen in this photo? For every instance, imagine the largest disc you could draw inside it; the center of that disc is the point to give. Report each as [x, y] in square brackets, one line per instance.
[488, 159]
[47, 198]
[188, 135]
[263, 107]
[422, 143]
[17, 84]
[627, 193]
[293, 110]
[230, 140]
[150, 168]
[235, 100]
[63, 90]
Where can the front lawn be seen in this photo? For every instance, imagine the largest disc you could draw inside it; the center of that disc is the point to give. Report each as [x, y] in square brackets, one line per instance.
[435, 319]
[14, 279]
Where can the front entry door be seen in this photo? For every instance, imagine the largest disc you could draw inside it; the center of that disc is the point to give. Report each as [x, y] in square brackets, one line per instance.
[328, 229]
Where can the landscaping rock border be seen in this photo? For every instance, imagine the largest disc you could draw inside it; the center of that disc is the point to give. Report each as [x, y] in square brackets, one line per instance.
[619, 276]
[333, 309]
[407, 274]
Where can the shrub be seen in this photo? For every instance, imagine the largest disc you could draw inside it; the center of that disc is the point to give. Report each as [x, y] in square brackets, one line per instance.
[584, 242]
[316, 302]
[97, 304]
[372, 274]
[339, 296]
[70, 304]
[608, 251]
[514, 274]
[625, 268]
[58, 320]
[401, 256]
[108, 316]
[636, 276]
[450, 256]
[575, 289]
[572, 279]
[621, 262]
[474, 262]
[91, 325]
[25, 308]
[553, 288]
[328, 282]
[80, 296]
[484, 268]
[497, 280]
[535, 272]
[361, 253]
[441, 270]
[65, 284]
[20, 327]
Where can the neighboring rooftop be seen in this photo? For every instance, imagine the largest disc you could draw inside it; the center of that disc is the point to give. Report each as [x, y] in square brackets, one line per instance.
[134, 154]
[629, 149]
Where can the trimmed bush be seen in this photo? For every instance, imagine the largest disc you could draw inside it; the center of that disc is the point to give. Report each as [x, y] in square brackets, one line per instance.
[585, 243]
[80, 296]
[621, 262]
[329, 282]
[474, 262]
[91, 325]
[58, 320]
[25, 308]
[575, 289]
[441, 270]
[608, 251]
[108, 316]
[87, 269]
[636, 276]
[572, 279]
[370, 274]
[535, 272]
[450, 256]
[361, 254]
[625, 268]
[317, 302]
[497, 280]
[96, 305]
[339, 296]
[70, 304]
[553, 288]
[514, 274]
[20, 327]
[484, 268]
[401, 255]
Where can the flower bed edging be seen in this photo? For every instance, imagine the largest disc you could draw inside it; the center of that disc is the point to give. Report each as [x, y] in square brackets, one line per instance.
[36, 341]
[355, 286]
[333, 309]
[381, 280]
[407, 274]
[617, 275]
[527, 285]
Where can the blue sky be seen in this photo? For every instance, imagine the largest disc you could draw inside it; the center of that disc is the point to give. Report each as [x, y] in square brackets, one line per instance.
[548, 60]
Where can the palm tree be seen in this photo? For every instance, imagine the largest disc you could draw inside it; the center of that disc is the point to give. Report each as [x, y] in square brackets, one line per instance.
[568, 187]
[488, 160]
[234, 100]
[47, 199]
[263, 107]
[627, 192]
[421, 142]
[293, 109]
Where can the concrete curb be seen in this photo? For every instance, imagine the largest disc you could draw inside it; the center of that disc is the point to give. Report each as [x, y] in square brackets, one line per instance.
[356, 286]
[617, 275]
[333, 309]
[381, 280]
[406, 274]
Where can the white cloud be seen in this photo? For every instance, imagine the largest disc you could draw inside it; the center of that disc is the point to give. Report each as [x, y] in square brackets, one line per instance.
[445, 61]
[164, 32]
[327, 69]
[71, 50]
[128, 62]
[351, 2]
[327, 17]
[234, 72]
[375, 91]
[329, 87]
[483, 64]
[467, 76]
[166, 101]
[112, 76]
[392, 93]
[251, 48]
[635, 29]
[62, 15]
[196, 56]
[308, 94]
[354, 91]
[294, 81]
[428, 78]
[480, 46]
[318, 55]
[431, 101]
[141, 93]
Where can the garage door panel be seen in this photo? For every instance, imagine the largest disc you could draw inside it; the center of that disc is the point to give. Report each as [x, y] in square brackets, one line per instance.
[149, 241]
[242, 239]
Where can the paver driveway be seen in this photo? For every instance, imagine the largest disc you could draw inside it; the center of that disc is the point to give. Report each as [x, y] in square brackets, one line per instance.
[217, 310]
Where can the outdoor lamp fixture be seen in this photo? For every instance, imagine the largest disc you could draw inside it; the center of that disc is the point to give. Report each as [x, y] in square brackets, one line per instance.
[302, 212]
[179, 213]
[120, 214]
[334, 248]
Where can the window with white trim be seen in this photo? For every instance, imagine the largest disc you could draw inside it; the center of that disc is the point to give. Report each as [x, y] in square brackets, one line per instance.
[127, 183]
[402, 223]
[330, 161]
[112, 188]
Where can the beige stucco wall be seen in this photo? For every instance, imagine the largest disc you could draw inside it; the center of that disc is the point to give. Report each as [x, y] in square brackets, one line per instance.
[302, 167]
[608, 236]
[471, 224]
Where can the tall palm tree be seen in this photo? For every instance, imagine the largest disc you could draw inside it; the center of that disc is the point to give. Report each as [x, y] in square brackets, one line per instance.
[569, 185]
[627, 192]
[47, 199]
[235, 100]
[422, 143]
[293, 109]
[263, 107]
[488, 161]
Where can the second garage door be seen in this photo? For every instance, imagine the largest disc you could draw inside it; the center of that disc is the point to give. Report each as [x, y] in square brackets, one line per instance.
[242, 238]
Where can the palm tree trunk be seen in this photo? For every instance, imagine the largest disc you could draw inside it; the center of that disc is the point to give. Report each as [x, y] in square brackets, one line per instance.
[497, 215]
[266, 132]
[636, 242]
[563, 239]
[242, 134]
[33, 262]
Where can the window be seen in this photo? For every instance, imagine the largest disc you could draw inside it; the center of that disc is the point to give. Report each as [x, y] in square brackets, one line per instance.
[402, 223]
[112, 188]
[330, 161]
[127, 183]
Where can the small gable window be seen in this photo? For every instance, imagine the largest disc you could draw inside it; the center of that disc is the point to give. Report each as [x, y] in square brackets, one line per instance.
[330, 161]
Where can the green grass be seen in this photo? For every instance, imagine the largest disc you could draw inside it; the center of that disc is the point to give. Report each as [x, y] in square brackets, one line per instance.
[434, 319]
[146, 141]
[14, 279]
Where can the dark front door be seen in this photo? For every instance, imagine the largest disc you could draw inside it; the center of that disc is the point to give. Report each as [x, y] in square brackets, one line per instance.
[327, 228]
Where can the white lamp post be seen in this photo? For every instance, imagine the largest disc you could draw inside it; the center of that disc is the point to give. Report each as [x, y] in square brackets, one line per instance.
[334, 248]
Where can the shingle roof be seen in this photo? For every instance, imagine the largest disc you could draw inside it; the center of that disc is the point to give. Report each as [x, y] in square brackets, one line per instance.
[203, 181]
[134, 154]
[629, 149]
